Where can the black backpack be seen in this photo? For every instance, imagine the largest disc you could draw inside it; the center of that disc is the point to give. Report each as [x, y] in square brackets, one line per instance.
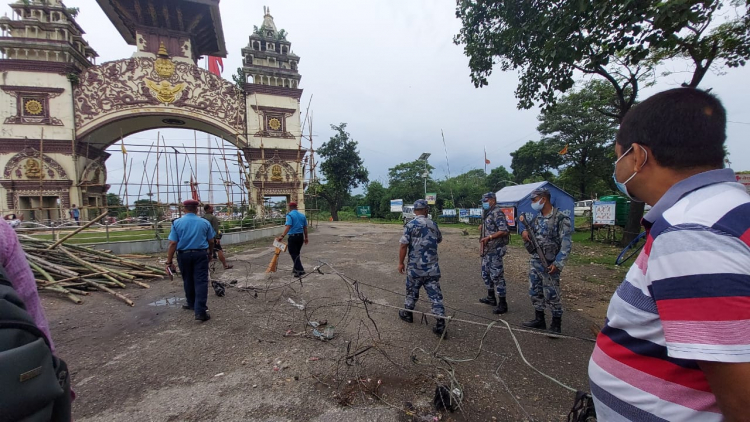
[34, 384]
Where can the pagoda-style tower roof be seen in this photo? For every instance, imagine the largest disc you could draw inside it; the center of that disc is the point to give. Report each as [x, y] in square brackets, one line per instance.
[268, 58]
[198, 20]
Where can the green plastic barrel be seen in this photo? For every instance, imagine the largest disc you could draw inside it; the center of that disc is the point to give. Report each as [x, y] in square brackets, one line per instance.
[621, 209]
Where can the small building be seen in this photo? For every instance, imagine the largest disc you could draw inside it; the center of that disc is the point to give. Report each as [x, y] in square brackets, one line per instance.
[517, 199]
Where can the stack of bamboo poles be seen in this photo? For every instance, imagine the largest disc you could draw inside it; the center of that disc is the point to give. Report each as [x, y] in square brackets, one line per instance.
[75, 271]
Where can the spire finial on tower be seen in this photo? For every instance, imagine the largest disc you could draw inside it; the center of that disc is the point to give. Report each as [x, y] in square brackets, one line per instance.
[162, 50]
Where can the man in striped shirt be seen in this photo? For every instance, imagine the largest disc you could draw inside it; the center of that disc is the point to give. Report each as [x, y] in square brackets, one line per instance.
[676, 344]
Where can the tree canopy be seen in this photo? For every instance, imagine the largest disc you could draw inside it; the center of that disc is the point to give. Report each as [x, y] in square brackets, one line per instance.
[342, 169]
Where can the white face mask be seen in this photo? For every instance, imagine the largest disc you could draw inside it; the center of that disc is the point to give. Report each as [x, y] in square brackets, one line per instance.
[621, 185]
[537, 206]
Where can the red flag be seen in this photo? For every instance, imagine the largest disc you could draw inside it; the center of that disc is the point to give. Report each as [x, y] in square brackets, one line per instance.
[194, 189]
[214, 63]
[486, 161]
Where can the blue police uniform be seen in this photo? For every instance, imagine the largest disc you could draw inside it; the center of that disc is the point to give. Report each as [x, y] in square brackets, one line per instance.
[297, 223]
[422, 236]
[192, 234]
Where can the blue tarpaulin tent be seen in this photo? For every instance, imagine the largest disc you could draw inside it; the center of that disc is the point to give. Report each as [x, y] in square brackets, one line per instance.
[518, 197]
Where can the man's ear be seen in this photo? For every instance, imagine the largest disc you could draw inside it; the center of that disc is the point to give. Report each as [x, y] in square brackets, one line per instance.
[641, 155]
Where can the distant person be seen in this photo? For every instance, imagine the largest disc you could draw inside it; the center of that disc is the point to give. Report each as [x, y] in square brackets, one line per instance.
[494, 246]
[216, 224]
[552, 231]
[676, 342]
[296, 227]
[21, 349]
[13, 220]
[420, 242]
[192, 238]
[75, 214]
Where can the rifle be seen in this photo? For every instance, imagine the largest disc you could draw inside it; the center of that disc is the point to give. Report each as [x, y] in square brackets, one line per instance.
[534, 242]
[482, 233]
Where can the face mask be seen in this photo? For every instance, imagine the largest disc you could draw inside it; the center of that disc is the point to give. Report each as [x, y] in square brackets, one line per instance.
[537, 206]
[486, 205]
[621, 186]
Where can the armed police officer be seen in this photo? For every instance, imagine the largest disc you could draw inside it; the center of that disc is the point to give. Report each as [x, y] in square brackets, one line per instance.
[494, 241]
[420, 241]
[551, 229]
[193, 239]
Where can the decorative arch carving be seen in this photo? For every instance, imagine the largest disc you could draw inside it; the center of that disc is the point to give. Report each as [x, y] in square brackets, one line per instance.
[22, 164]
[94, 173]
[268, 171]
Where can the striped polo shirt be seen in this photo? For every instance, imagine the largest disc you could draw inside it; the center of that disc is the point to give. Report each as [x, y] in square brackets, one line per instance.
[685, 299]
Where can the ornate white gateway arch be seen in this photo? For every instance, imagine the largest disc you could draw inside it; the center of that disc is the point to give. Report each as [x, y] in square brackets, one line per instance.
[59, 111]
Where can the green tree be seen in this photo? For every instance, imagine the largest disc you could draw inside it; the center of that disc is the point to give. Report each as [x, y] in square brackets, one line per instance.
[406, 180]
[342, 170]
[619, 41]
[378, 198]
[464, 190]
[114, 204]
[499, 178]
[534, 161]
[586, 134]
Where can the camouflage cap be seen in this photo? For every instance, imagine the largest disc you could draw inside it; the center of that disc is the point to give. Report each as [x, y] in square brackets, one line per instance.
[540, 192]
[487, 196]
[420, 204]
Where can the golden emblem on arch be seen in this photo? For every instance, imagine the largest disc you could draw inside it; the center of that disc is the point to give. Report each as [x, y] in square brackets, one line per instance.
[274, 124]
[276, 173]
[33, 169]
[164, 91]
[33, 107]
[164, 66]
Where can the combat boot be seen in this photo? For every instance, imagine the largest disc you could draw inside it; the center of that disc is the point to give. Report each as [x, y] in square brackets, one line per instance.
[490, 299]
[407, 316]
[537, 322]
[502, 306]
[439, 328]
[555, 326]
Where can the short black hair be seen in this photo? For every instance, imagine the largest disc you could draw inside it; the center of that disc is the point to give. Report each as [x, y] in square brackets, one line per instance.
[684, 127]
[191, 208]
[206, 207]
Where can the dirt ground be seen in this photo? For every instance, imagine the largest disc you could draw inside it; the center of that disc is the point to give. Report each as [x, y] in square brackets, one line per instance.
[257, 359]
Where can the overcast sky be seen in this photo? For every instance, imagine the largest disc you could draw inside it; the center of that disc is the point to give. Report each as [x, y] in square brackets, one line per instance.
[391, 71]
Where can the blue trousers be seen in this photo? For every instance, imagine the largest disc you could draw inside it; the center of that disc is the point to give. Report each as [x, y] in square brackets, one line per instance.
[431, 284]
[194, 269]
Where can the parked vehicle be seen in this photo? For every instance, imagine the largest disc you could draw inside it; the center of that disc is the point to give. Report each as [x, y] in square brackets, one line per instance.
[583, 208]
[407, 214]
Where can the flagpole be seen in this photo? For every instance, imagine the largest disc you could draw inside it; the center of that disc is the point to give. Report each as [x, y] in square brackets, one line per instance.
[485, 160]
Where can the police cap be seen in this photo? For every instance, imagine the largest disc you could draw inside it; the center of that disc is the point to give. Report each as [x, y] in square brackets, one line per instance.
[191, 203]
[536, 193]
[420, 204]
[487, 196]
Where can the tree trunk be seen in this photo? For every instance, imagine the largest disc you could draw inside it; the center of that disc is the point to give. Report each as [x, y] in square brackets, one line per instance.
[334, 213]
[633, 225]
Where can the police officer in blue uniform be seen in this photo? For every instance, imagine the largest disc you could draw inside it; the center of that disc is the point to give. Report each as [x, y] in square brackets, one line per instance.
[420, 241]
[296, 227]
[495, 244]
[192, 238]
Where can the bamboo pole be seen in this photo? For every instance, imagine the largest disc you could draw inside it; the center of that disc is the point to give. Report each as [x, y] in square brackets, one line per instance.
[93, 267]
[112, 292]
[78, 230]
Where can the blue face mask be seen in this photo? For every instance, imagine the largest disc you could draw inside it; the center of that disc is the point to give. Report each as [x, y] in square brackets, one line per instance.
[537, 206]
[486, 205]
[621, 185]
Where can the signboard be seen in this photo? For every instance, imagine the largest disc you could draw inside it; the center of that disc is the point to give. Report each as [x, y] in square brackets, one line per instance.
[463, 213]
[430, 198]
[745, 180]
[510, 216]
[475, 212]
[397, 205]
[449, 213]
[364, 211]
[604, 212]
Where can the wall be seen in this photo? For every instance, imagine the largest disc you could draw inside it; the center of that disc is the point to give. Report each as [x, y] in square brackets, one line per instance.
[156, 246]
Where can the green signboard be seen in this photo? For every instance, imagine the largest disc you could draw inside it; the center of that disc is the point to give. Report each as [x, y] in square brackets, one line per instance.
[363, 212]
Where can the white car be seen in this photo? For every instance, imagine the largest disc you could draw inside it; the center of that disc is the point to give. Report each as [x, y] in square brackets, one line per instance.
[407, 214]
[583, 208]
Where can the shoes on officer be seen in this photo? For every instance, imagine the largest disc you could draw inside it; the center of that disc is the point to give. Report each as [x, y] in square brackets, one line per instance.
[490, 299]
[188, 307]
[537, 322]
[203, 317]
[407, 316]
[439, 328]
[502, 306]
[299, 274]
[556, 325]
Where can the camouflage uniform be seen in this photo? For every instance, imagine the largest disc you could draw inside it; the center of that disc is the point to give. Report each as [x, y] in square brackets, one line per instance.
[493, 272]
[423, 235]
[544, 288]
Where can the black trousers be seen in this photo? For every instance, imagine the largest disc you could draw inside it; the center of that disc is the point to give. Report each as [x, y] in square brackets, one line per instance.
[194, 269]
[295, 247]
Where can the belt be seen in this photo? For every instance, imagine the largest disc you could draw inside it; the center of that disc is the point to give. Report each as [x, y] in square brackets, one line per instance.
[191, 250]
[296, 234]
